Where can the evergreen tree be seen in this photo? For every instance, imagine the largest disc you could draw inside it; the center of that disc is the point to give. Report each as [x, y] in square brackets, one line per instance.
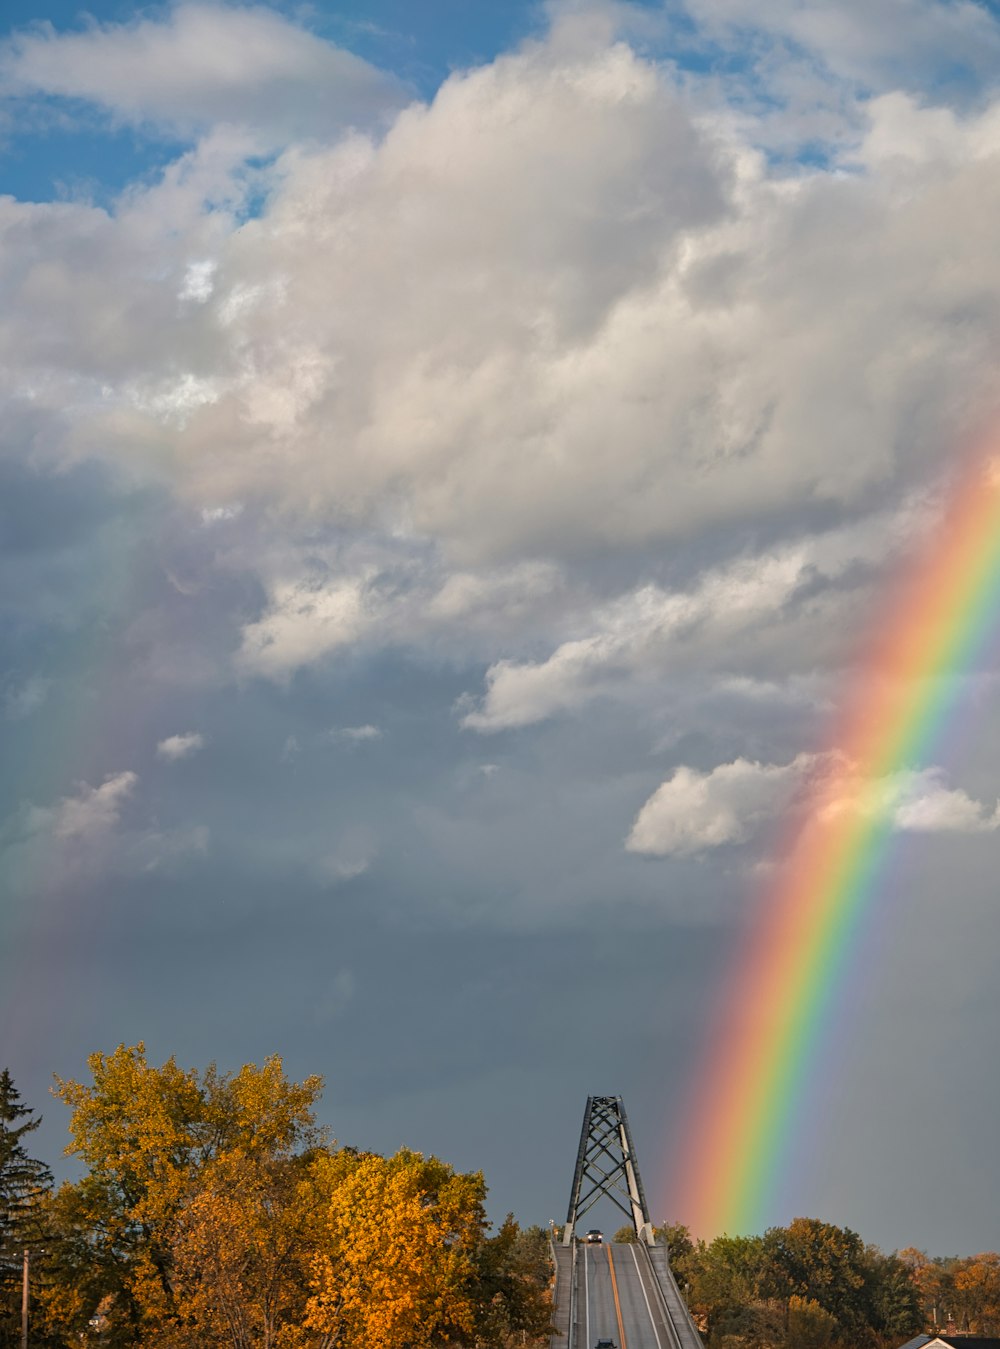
[23, 1185]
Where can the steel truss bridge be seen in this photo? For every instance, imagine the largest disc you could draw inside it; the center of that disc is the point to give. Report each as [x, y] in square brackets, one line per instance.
[623, 1292]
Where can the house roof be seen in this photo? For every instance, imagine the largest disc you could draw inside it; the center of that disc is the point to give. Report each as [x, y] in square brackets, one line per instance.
[952, 1342]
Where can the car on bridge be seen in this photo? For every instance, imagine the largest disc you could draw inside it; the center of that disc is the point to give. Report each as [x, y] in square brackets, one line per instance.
[605, 1344]
[594, 1235]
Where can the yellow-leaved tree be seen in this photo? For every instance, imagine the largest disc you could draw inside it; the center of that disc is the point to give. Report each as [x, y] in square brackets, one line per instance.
[184, 1175]
[398, 1269]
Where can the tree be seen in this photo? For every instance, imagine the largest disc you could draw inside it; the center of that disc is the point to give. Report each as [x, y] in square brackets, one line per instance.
[809, 1326]
[977, 1293]
[820, 1263]
[398, 1268]
[511, 1287]
[156, 1142]
[239, 1258]
[24, 1183]
[933, 1283]
[726, 1275]
[893, 1296]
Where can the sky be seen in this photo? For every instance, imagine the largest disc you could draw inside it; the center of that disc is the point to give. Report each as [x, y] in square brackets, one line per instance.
[450, 457]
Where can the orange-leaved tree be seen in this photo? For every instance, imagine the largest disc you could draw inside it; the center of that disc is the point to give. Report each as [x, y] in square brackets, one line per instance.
[398, 1268]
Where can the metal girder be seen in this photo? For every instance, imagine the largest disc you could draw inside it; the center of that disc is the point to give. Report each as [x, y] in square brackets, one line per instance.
[606, 1166]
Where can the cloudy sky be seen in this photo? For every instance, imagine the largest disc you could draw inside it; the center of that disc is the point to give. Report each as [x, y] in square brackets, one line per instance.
[449, 457]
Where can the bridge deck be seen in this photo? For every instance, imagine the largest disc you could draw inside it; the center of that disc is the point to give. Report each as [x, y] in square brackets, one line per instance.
[623, 1293]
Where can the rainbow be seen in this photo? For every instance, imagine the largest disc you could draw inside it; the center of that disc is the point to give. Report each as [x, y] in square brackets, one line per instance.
[779, 1006]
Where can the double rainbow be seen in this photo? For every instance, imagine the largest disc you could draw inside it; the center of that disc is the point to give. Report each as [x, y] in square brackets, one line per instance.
[941, 612]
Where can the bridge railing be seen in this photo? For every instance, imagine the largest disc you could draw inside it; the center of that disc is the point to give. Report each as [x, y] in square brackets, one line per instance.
[564, 1281]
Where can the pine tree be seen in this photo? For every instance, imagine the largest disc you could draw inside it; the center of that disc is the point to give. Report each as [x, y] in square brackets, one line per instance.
[23, 1183]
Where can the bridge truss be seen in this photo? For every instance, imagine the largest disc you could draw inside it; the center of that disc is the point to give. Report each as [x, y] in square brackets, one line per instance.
[606, 1167]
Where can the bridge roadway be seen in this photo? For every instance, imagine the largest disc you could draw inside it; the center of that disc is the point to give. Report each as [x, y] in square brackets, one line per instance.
[618, 1298]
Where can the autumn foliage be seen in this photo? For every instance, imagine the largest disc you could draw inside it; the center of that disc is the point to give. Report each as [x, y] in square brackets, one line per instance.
[214, 1212]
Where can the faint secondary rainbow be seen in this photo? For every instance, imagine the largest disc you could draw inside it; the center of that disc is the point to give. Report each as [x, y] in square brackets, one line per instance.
[782, 999]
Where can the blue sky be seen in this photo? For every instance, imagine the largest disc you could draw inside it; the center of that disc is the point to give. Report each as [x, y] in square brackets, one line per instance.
[450, 455]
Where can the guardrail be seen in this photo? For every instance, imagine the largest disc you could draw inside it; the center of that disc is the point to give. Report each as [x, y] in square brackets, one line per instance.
[674, 1307]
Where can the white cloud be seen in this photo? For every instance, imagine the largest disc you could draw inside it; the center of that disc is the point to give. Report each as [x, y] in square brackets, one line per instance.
[90, 814]
[647, 630]
[214, 515]
[202, 65]
[355, 735]
[694, 812]
[547, 328]
[918, 801]
[939, 809]
[548, 316]
[180, 746]
[305, 621]
[857, 40]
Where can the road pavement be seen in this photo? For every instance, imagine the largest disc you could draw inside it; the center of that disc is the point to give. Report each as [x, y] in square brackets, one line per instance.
[618, 1300]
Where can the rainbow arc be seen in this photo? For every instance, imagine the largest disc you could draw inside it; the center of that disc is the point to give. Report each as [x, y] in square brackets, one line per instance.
[835, 852]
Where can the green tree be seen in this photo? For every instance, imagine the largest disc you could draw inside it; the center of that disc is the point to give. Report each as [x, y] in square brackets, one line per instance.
[893, 1297]
[820, 1263]
[726, 1276]
[511, 1287]
[809, 1326]
[24, 1183]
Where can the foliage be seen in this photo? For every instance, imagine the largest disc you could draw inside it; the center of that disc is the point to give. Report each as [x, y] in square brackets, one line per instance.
[240, 1250]
[727, 1274]
[964, 1291]
[24, 1183]
[511, 1287]
[213, 1214]
[805, 1286]
[397, 1269]
[156, 1142]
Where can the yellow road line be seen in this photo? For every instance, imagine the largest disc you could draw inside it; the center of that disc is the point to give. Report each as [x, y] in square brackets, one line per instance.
[618, 1305]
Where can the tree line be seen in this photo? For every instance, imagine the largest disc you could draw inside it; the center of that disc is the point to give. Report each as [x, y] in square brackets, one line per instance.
[812, 1285]
[213, 1212]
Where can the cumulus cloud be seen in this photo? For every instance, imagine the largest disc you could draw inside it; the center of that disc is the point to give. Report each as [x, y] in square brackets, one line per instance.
[180, 746]
[694, 812]
[201, 65]
[647, 630]
[857, 41]
[91, 813]
[552, 314]
[917, 801]
[619, 315]
[85, 836]
[305, 621]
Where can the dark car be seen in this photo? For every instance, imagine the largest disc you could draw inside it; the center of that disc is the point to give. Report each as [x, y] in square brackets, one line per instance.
[594, 1235]
[605, 1344]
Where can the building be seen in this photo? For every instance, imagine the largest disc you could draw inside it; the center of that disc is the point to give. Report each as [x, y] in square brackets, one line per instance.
[949, 1341]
